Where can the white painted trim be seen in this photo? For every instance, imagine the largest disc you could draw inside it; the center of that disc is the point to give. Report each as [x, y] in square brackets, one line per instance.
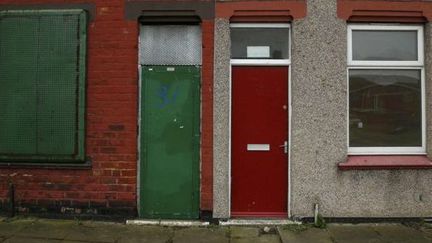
[391, 150]
[386, 63]
[289, 122]
[142, 222]
[423, 109]
[177, 223]
[420, 45]
[229, 140]
[289, 140]
[347, 111]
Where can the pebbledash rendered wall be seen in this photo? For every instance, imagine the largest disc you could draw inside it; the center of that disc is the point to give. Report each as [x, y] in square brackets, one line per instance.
[109, 185]
[319, 131]
[319, 128]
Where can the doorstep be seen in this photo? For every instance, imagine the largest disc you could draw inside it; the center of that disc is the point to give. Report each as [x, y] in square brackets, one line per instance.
[256, 222]
[162, 222]
[197, 223]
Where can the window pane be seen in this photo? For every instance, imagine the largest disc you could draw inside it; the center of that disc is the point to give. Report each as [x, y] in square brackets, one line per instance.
[371, 45]
[259, 43]
[385, 108]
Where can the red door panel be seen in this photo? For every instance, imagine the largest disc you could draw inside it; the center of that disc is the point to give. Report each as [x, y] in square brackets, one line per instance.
[259, 116]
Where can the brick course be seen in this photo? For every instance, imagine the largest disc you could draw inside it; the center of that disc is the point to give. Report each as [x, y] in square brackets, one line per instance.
[207, 117]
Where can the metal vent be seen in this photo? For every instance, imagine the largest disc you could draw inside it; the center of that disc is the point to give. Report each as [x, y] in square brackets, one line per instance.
[170, 45]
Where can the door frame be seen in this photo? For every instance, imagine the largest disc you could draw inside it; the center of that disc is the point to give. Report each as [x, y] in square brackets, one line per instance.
[258, 62]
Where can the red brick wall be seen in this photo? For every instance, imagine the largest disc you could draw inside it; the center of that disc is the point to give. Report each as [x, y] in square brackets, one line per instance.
[207, 117]
[111, 137]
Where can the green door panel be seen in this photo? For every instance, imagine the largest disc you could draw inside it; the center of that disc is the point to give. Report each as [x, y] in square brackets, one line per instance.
[170, 138]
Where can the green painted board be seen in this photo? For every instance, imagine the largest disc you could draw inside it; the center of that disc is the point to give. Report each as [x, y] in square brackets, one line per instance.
[18, 93]
[42, 78]
[57, 85]
[169, 142]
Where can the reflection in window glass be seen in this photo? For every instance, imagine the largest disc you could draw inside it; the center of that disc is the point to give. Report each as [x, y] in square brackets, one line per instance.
[374, 45]
[259, 43]
[385, 108]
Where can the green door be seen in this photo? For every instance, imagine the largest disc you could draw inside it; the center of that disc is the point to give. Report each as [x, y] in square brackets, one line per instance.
[170, 137]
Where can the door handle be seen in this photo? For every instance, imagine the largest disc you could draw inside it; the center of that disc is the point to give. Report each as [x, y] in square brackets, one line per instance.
[285, 146]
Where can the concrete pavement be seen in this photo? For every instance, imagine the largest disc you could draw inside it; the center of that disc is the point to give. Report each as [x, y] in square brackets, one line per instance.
[32, 230]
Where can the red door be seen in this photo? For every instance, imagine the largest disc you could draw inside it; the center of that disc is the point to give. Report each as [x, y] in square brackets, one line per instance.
[259, 161]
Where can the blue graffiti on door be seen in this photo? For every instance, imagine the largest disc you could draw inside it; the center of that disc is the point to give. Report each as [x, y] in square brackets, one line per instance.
[166, 97]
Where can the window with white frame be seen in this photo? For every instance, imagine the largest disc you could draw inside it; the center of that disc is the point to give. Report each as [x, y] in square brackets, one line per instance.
[258, 43]
[386, 93]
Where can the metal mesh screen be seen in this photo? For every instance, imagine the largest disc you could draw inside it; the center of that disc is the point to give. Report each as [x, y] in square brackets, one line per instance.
[40, 55]
[170, 45]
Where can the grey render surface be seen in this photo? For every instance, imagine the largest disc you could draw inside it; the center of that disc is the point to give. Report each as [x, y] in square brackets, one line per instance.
[319, 129]
[221, 94]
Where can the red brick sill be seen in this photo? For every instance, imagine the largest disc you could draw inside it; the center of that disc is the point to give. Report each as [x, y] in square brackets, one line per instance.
[385, 162]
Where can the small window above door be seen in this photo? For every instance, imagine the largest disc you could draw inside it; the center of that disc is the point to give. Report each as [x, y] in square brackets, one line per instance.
[260, 44]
